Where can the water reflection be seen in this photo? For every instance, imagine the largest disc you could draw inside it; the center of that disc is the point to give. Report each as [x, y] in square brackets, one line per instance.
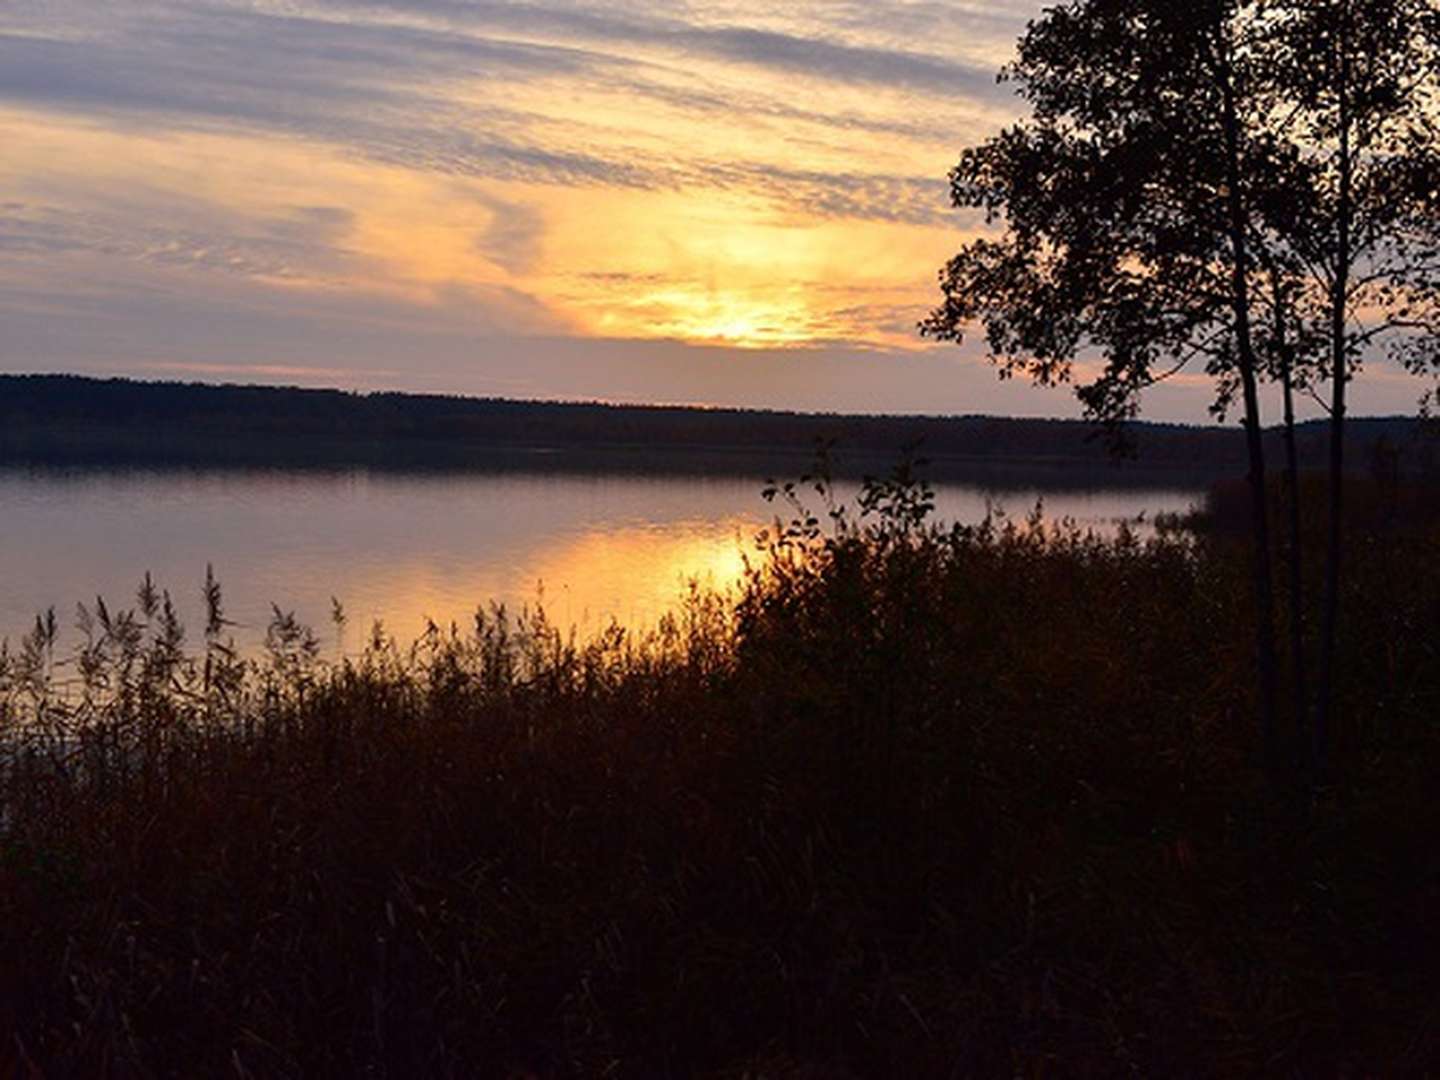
[630, 574]
[405, 548]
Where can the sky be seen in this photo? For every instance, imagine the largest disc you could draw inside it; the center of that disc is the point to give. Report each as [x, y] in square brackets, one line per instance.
[738, 203]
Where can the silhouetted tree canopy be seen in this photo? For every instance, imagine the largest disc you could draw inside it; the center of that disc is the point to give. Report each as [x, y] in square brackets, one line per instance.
[1251, 185]
[1118, 231]
[1130, 211]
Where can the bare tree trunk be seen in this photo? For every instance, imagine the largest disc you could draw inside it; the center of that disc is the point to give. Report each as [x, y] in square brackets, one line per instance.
[1339, 375]
[1297, 596]
[1260, 518]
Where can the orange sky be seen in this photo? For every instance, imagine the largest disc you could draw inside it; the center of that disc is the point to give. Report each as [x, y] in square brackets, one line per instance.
[738, 203]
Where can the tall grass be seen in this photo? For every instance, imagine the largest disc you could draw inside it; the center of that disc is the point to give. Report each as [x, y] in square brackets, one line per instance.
[917, 801]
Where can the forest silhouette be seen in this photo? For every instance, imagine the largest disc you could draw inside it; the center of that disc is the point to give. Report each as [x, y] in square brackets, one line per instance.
[66, 419]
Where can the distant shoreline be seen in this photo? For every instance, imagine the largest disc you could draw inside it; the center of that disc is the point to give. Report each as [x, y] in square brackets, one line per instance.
[81, 422]
[127, 449]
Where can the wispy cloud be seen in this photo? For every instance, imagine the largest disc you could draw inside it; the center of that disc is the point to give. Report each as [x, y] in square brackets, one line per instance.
[513, 237]
[416, 188]
[301, 243]
[815, 53]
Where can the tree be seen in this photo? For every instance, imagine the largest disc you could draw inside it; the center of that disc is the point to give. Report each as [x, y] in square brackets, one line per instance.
[1251, 183]
[1360, 213]
[1132, 200]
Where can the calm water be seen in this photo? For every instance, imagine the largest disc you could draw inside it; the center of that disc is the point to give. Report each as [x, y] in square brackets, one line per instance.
[406, 547]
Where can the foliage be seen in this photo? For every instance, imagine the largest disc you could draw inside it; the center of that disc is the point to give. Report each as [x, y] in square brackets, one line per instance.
[1359, 209]
[1116, 193]
[1114, 198]
[1247, 184]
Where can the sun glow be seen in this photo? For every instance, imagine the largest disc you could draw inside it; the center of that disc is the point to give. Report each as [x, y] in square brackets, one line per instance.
[735, 319]
[501, 186]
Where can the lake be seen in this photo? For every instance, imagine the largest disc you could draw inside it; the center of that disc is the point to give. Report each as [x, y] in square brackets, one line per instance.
[404, 547]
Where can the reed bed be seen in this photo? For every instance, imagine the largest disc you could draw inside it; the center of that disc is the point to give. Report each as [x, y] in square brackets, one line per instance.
[916, 801]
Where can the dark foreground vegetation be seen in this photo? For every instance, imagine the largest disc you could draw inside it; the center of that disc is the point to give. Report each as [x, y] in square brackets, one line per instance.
[981, 801]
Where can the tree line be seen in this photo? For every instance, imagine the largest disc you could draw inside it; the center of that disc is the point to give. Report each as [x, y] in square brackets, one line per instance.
[64, 417]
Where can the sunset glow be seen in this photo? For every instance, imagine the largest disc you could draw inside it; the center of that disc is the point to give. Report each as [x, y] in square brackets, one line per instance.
[737, 204]
[445, 195]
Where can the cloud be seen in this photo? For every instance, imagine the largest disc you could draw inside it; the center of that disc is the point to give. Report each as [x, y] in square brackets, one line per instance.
[302, 243]
[457, 152]
[282, 72]
[80, 315]
[309, 373]
[911, 200]
[839, 62]
[343, 75]
[244, 137]
[813, 54]
[514, 236]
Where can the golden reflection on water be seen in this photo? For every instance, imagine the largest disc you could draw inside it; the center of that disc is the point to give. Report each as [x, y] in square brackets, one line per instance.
[404, 549]
[630, 575]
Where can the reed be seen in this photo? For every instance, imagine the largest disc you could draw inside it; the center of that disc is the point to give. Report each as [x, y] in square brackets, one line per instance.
[915, 801]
